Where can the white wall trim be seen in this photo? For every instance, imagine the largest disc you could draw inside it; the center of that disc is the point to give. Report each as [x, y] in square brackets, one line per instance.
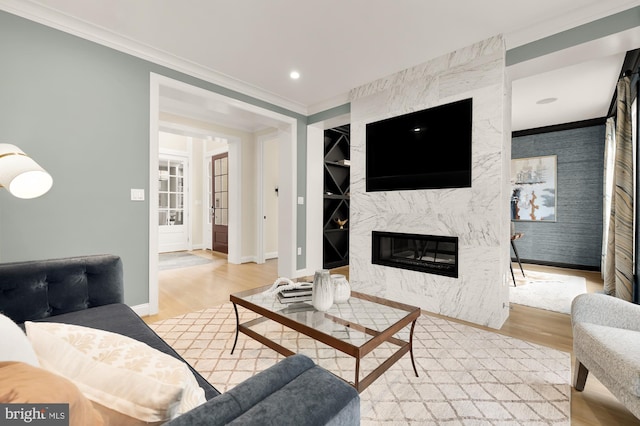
[234, 254]
[271, 255]
[154, 143]
[173, 152]
[185, 130]
[260, 257]
[260, 140]
[142, 310]
[206, 207]
[189, 201]
[307, 272]
[287, 202]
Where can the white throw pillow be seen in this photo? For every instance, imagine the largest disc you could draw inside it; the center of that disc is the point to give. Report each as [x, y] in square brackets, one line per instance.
[15, 344]
[116, 371]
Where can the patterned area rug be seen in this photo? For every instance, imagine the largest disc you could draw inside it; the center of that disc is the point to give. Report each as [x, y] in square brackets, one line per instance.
[552, 292]
[468, 376]
[180, 259]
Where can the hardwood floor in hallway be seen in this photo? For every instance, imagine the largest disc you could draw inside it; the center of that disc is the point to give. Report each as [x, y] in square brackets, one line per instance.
[191, 289]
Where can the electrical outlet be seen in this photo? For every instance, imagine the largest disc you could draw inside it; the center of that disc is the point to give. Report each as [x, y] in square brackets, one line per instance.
[299, 251]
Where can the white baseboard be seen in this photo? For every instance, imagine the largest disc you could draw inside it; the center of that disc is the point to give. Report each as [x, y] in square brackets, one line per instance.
[254, 259]
[304, 273]
[142, 310]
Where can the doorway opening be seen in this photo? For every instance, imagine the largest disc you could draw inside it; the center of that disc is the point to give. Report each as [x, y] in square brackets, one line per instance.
[169, 98]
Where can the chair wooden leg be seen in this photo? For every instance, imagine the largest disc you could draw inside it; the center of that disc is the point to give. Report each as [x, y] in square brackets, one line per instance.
[580, 373]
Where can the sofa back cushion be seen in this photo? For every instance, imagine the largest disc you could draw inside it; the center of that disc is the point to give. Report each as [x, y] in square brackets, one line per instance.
[35, 290]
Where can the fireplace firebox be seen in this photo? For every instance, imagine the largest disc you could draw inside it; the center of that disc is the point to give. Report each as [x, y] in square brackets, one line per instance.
[432, 254]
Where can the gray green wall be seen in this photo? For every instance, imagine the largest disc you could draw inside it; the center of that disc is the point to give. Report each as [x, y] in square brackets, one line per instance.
[82, 111]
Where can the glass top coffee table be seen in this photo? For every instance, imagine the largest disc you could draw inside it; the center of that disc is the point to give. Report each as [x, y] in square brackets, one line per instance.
[355, 327]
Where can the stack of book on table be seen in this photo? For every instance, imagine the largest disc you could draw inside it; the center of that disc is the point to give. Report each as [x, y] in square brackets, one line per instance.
[300, 294]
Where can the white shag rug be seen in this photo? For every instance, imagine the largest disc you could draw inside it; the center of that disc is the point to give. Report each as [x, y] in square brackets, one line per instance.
[552, 292]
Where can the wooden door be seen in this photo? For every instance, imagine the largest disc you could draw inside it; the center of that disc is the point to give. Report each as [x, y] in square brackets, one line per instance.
[220, 202]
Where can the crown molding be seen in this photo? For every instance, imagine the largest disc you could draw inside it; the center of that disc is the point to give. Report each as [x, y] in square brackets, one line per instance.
[85, 30]
[329, 103]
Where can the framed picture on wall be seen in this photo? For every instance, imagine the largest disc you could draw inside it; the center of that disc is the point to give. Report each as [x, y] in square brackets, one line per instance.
[533, 188]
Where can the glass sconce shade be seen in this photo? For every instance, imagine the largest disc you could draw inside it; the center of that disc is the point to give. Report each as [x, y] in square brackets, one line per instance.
[21, 175]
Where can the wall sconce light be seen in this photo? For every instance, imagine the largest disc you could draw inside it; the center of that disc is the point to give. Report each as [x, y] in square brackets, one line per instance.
[21, 175]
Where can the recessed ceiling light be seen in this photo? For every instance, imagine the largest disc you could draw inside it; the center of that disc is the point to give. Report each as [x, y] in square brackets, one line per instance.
[294, 75]
[546, 101]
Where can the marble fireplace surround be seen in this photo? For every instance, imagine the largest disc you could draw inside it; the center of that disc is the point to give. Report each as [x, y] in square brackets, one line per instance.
[477, 216]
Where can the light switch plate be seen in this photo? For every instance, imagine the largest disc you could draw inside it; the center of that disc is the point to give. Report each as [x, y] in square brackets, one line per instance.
[137, 194]
[300, 200]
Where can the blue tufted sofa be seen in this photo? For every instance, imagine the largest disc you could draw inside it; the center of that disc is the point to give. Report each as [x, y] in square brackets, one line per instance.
[88, 291]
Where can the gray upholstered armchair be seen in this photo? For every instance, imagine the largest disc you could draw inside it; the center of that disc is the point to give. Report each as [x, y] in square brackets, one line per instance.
[606, 342]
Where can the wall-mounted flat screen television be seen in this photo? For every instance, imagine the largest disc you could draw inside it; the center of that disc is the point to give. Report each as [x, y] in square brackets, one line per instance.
[426, 149]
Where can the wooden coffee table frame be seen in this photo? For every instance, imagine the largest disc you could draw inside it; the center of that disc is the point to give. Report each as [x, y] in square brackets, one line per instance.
[358, 352]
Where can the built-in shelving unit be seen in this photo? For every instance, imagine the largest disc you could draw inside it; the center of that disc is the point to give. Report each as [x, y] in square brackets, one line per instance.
[337, 148]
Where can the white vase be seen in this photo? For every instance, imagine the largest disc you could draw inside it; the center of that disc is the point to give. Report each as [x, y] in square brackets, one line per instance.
[341, 288]
[322, 294]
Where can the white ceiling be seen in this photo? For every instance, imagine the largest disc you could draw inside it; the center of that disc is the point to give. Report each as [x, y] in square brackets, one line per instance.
[336, 45]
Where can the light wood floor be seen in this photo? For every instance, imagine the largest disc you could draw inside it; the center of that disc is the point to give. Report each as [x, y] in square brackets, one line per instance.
[199, 287]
